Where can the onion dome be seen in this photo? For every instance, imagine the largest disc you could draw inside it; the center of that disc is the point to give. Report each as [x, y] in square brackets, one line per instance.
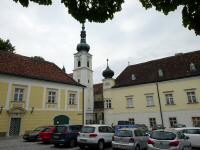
[83, 46]
[108, 73]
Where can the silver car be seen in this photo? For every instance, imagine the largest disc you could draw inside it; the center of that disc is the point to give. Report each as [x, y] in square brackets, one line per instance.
[168, 139]
[193, 133]
[129, 138]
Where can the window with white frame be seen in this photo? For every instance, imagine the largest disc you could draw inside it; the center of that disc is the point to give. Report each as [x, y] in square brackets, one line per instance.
[72, 99]
[152, 122]
[191, 96]
[172, 122]
[18, 94]
[196, 121]
[51, 96]
[129, 102]
[150, 100]
[169, 98]
[107, 104]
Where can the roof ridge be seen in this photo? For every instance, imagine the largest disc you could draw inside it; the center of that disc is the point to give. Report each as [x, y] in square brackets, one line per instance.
[164, 58]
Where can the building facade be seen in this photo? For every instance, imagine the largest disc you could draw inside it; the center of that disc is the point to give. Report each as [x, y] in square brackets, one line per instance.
[36, 93]
[164, 91]
[98, 104]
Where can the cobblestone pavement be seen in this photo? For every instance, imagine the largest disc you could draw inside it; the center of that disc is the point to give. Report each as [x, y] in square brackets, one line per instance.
[17, 143]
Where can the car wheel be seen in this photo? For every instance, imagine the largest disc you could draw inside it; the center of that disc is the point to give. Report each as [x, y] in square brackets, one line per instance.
[187, 148]
[137, 147]
[56, 145]
[100, 145]
[81, 147]
[72, 143]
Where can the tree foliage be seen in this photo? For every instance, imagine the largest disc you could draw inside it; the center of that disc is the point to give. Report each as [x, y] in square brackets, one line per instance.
[102, 10]
[82, 10]
[38, 58]
[6, 46]
[190, 11]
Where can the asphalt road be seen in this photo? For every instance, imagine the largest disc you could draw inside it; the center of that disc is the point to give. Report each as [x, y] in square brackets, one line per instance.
[17, 143]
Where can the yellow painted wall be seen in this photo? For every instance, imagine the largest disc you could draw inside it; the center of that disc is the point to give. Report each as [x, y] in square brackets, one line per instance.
[3, 93]
[41, 118]
[119, 103]
[3, 116]
[36, 97]
[4, 121]
[62, 99]
[180, 97]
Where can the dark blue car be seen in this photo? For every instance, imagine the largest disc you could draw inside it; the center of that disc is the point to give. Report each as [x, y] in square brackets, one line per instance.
[66, 135]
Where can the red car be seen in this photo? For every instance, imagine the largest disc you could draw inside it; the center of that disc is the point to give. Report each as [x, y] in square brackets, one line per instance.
[45, 136]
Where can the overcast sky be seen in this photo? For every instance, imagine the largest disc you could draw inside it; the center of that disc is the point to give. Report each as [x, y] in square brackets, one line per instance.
[134, 35]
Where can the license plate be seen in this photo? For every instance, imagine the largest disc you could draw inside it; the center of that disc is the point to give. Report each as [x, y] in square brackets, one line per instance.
[56, 137]
[83, 140]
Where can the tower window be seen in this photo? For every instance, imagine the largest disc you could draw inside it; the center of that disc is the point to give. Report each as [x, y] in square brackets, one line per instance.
[78, 80]
[192, 67]
[79, 63]
[88, 64]
[160, 73]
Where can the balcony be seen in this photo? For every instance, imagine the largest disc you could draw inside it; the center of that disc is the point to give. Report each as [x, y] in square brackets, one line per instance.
[98, 104]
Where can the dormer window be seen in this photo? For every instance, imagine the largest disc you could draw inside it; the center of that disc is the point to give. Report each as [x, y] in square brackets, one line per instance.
[79, 63]
[133, 77]
[160, 73]
[192, 67]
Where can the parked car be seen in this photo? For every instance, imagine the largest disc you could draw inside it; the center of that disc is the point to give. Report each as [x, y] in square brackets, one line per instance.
[130, 138]
[179, 125]
[33, 135]
[66, 135]
[142, 126]
[148, 132]
[46, 135]
[95, 136]
[168, 139]
[193, 133]
[117, 127]
[157, 127]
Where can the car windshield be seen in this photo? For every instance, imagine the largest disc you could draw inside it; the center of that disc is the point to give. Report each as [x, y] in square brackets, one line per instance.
[163, 135]
[88, 129]
[60, 129]
[38, 129]
[124, 133]
[75, 128]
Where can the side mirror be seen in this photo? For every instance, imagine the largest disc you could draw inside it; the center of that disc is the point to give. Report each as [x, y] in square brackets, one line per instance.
[146, 134]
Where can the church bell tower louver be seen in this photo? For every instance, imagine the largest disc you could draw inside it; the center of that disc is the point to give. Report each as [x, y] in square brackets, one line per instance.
[83, 74]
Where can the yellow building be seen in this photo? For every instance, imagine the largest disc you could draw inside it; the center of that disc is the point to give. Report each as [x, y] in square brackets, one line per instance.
[164, 91]
[34, 92]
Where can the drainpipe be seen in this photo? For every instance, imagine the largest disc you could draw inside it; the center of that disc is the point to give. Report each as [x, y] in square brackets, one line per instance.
[161, 113]
[83, 121]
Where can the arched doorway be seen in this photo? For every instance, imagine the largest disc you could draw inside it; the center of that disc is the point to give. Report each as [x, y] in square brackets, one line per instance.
[61, 119]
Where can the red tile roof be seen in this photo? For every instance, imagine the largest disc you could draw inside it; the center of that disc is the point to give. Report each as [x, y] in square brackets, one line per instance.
[18, 65]
[98, 88]
[173, 67]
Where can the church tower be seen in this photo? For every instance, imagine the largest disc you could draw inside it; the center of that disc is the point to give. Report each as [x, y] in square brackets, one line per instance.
[83, 74]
